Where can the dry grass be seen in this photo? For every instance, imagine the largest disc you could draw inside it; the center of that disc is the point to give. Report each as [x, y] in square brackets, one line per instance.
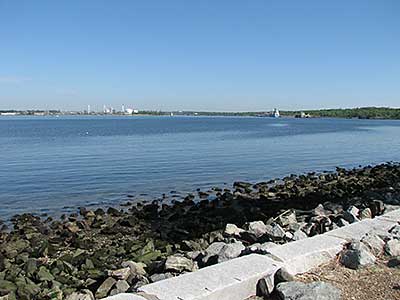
[377, 282]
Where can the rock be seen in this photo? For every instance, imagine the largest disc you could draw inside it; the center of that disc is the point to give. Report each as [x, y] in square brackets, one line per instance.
[159, 277]
[274, 231]
[342, 222]
[392, 247]
[230, 251]
[232, 229]
[320, 211]
[121, 286]
[299, 235]
[302, 291]
[351, 214]
[282, 275]
[288, 235]
[287, 219]
[179, 264]
[27, 291]
[395, 232]
[7, 286]
[357, 255]
[260, 248]
[136, 268]
[87, 295]
[219, 252]
[31, 266]
[374, 243]
[105, 288]
[258, 228]
[121, 274]
[366, 214]
[265, 286]
[394, 262]
[44, 274]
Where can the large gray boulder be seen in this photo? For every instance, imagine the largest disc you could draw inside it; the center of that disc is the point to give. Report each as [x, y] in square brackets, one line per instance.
[357, 255]
[219, 252]
[374, 243]
[311, 291]
[257, 228]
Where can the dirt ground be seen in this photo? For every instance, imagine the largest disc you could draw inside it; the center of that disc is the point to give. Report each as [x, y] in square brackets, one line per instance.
[377, 282]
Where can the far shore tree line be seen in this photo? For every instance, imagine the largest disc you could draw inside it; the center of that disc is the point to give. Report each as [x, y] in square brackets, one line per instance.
[361, 113]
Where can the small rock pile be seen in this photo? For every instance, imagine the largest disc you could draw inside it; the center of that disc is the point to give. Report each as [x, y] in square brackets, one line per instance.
[358, 254]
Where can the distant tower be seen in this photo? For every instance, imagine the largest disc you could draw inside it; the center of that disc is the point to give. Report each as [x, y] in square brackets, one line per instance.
[104, 109]
[88, 109]
[123, 108]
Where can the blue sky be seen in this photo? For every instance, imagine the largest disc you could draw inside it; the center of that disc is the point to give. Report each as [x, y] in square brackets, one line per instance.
[231, 55]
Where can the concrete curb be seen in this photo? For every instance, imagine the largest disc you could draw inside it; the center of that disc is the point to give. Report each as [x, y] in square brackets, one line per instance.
[236, 279]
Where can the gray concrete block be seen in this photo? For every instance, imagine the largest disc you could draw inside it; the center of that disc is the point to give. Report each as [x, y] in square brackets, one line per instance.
[234, 280]
[125, 297]
[301, 256]
[393, 215]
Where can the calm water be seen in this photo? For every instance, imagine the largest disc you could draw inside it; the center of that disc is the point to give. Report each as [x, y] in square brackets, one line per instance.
[57, 164]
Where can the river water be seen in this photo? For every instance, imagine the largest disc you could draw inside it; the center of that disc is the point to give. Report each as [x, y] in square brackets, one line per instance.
[53, 165]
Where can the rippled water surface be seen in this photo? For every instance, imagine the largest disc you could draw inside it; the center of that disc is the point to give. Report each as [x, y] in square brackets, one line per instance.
[57, 164]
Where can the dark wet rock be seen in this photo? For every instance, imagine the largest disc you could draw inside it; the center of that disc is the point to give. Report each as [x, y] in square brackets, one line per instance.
[265, 287]
[351, 214]
[394, 262]
[282, 275]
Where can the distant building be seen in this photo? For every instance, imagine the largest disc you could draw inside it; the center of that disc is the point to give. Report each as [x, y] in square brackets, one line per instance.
[8, 114]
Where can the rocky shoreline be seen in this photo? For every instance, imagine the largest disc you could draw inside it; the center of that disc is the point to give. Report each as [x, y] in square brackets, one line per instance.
[95, 253]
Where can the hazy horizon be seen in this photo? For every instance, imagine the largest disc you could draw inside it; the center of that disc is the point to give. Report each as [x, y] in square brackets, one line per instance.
[199, 56]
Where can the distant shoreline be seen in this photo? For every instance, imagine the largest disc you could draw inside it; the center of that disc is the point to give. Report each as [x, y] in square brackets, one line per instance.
[383, 113]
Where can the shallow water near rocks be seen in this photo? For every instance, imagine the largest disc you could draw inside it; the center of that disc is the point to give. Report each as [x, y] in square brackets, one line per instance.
[53, 165]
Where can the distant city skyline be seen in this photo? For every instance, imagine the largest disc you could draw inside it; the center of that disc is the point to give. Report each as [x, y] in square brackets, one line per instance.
[199, 55]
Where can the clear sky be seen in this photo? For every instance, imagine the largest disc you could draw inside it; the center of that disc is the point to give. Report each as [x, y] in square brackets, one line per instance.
[232, 55]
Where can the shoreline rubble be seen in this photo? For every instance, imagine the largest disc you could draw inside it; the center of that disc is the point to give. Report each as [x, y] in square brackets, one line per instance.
[96, 253]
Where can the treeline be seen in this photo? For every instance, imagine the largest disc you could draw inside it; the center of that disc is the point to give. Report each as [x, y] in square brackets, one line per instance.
[361, 113]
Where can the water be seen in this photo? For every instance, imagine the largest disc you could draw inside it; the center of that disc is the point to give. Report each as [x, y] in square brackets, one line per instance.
[53, 165]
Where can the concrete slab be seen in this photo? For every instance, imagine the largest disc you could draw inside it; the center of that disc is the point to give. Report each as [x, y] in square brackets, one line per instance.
[393, 215]
[125, 297]
[301, 256]
[232, 280]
